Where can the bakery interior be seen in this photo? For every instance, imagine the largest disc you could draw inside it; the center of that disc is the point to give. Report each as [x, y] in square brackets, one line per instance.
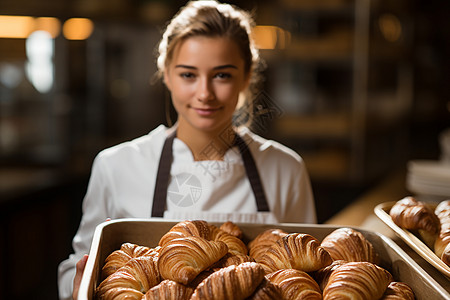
[358, 88]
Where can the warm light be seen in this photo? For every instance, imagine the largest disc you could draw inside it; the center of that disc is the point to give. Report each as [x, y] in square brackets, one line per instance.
[270, 37]
[390, 27]
[51, 25]
[20, 27]
[16, 27]
[78, 28]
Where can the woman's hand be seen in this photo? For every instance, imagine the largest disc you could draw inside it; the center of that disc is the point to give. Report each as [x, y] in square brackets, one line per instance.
[81, 264]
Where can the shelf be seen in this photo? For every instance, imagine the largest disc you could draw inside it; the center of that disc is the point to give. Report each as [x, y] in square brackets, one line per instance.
[336, 45]
[348, 87]
[314, 5]
[322, 126]
[327, 164]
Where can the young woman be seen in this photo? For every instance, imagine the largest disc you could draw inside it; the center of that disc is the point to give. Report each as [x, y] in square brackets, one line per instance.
[204, 167]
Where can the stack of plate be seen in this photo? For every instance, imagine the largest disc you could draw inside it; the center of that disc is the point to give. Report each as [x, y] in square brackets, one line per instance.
[444, 141]
[429, 177]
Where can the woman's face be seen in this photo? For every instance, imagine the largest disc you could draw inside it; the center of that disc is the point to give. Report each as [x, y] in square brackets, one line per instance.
[205, 78]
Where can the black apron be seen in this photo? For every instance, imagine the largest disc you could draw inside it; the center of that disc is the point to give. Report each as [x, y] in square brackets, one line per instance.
[163, 175]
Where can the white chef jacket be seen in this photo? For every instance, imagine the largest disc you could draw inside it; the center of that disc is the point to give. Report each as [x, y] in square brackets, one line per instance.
[123, 181]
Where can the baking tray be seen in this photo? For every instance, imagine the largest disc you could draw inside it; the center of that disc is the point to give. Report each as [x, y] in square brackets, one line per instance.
[110, 235]
[382, 211]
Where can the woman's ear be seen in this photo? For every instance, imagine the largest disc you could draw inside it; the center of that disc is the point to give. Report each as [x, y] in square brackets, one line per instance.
[166, 80]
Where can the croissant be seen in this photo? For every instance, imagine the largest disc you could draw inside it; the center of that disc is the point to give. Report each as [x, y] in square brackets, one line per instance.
[235, 245]
[442, 242]
[445, 256]
[295, 251]
[442, 210]
[414, 215]
[200, 277]
[232, 228]
[168, 290]
[295, 284]
[132, 280]
[321, 276]
[232, 259]
[183, 259]
[204, 230]
[266, 291]
[357, 280]
[127, 251]
[263, 241]
[349, 245]
[121, 293]
[443, 213]
[233, 282]
[198, 228]
[398, 291]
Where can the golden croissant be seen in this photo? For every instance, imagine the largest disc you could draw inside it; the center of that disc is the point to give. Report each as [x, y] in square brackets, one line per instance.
[235, 245]
[441, 244]
[232, 228]
[200, 277]
[263, 241]
[410, 214]
[445, 257]
[183, 259]
[232, 259]
[321, 276]
[295, 284]
[295, 251]
[198, 228]
[135, 278]
[204, 230]
[266, 291]
[233, 282]
[168, 290]
[349, 245]
[398, 291]
[357, 280]
[127, 251]
[442, 211]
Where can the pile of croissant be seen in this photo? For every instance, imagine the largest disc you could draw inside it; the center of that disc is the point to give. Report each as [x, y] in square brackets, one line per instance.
[430, 225]
[198, 260]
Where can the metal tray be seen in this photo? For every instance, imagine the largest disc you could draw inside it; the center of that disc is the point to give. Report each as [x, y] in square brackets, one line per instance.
[110, 235]
[382, 211]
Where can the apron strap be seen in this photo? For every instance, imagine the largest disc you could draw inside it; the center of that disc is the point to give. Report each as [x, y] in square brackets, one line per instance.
[252, 174]
[163, 175]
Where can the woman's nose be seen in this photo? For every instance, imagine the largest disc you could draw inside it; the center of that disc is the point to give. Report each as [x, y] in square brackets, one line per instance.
[204, 91]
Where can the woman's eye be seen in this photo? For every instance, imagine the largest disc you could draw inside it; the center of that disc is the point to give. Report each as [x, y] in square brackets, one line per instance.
[187, 75]
[223, 75]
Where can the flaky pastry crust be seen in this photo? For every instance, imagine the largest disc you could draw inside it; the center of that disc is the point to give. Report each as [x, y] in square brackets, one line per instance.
[296, 251]
[168, 290]
[233, 282]
[295, 284]
[357, 280]
[263, 241]
[182, 259]
[349, 245]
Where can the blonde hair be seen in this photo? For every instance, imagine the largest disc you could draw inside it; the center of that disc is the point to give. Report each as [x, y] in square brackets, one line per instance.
[213, 19]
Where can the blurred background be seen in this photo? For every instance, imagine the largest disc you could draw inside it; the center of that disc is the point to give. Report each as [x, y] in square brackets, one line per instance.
[357, 87]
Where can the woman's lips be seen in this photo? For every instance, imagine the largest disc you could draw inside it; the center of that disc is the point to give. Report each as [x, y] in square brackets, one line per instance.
[205, 111]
